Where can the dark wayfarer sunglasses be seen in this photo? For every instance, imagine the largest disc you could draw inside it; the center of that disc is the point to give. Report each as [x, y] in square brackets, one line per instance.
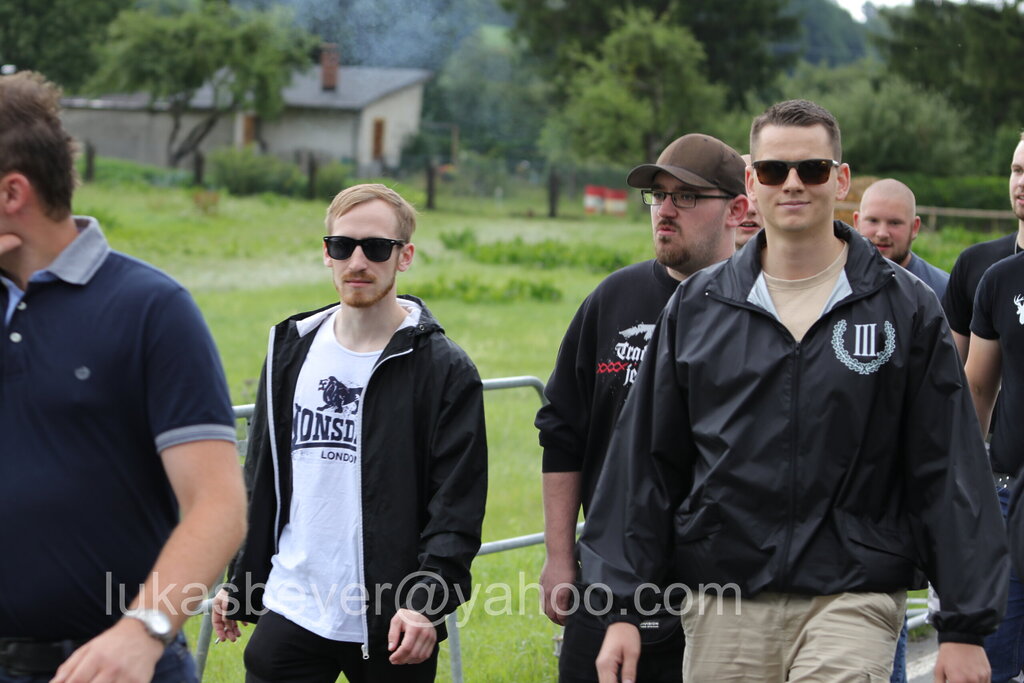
[377, 249]
[811, 171]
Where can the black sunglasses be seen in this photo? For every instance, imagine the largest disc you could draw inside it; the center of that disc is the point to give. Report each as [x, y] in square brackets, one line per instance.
[811, 171]
[377, 249]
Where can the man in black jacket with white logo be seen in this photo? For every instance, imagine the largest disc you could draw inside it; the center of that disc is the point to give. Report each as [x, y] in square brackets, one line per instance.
[366, 471]
[799, 449]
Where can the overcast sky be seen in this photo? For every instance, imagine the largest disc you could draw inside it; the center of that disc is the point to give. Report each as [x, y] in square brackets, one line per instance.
[853, 6]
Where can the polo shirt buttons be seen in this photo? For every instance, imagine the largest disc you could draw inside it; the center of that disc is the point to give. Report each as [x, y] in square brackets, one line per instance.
[21, 306]
[15, 337]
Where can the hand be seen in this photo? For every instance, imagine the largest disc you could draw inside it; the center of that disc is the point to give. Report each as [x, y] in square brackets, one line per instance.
[224, 627]
[124, 653]
[556, 586]
[619, 654]
[962, 663]
[9, 242]
[419, 640]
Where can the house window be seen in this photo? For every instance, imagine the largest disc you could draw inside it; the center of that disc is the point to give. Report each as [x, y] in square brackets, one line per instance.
[378, 139]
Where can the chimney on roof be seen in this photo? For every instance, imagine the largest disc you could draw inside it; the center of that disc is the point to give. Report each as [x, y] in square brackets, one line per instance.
[329, 67]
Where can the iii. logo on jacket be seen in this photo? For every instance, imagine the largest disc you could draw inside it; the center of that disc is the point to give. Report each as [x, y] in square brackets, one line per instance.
[1019, 302]
[864, 346]
[338, 397]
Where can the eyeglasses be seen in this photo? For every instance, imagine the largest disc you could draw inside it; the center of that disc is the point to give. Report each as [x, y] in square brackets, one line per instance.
[377, 249]
[811, 171]
[681, 200]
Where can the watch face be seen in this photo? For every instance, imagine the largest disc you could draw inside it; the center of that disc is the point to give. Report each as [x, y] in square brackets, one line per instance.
[159, 622]
[156, 622]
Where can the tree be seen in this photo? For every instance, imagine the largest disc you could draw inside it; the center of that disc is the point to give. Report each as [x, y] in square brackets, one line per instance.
[888, 124]
[829, 34]
[642, 89]
[246, 57]
[55, 37]
[967, 52]
[491, 92]
[743, 39]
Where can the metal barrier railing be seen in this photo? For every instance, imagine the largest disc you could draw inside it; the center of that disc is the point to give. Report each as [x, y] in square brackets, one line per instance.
[454, 648]
[916, 615]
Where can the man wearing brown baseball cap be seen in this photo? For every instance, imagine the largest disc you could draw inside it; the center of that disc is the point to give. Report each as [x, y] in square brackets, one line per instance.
[697, 197]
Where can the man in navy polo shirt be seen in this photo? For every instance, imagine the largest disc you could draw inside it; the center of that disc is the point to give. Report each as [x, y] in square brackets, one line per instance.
[120, 493]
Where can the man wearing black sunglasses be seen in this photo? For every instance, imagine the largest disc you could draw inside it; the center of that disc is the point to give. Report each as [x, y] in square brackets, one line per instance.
[696, 196]
[799, 450]
[366, 468]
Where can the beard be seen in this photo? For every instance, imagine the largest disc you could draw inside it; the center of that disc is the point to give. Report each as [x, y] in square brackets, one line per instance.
[684, 255]
[900, 256]
[1018, 210]
[367, 296]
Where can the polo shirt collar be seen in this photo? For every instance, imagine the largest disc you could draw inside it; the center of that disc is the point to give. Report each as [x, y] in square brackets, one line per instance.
[83, 257]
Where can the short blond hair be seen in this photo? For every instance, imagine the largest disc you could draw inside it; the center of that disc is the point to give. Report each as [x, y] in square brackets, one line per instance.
[349, 198]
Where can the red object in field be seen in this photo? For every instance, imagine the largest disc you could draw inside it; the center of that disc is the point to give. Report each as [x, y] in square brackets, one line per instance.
[593, 199]
[615, 202]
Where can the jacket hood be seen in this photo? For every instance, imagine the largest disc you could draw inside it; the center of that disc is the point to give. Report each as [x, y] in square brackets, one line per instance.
[308, 321]
[866, 269]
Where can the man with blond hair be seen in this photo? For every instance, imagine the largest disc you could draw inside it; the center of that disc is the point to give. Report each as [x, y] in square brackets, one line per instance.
[366, 469]
[120, 493]
[795, 492]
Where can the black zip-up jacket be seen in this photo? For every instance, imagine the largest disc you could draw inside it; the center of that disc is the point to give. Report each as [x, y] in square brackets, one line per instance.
[849, 461]
[424, 472]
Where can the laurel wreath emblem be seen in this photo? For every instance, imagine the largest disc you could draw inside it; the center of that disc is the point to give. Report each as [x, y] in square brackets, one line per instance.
[859, 366]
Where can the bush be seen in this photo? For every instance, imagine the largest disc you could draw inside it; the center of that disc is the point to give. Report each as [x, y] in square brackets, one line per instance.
[331, 179]
[464, 240]
[470, 289]
[963, 192]
[122, 171]
[246, 172]
[545, 254]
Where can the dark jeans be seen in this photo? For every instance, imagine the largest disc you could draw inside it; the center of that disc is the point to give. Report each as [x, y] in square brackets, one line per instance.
[581, 643]
[175, 666]
[1005, 647]
[282, 652]
[899, 662]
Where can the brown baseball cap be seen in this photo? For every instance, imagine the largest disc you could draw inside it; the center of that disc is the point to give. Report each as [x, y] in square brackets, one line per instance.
[697, 160]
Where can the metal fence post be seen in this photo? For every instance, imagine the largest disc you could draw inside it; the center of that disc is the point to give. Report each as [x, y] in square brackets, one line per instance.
[454, 647]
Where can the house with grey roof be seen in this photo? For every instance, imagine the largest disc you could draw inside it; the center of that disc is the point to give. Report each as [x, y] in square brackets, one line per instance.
[356, 114]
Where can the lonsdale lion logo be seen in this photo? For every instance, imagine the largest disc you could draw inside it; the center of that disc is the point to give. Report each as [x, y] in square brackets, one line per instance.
[338, 397]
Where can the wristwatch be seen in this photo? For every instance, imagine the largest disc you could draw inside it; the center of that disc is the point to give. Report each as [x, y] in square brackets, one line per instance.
[156, 622]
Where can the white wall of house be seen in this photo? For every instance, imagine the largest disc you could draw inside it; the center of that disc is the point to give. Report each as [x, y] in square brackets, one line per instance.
[138, 135]
[330, 135]
[401, 114]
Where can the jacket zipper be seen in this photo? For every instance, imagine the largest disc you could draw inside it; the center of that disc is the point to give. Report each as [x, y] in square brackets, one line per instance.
[362, 552]
[793, 460]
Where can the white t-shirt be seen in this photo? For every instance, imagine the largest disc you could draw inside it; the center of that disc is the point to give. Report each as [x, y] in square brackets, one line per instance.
[316, 580]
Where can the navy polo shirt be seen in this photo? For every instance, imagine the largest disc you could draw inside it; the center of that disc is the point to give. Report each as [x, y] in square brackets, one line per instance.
[104, 362]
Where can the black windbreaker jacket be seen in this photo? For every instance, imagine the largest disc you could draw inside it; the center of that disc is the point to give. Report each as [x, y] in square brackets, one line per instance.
[850, 461]
[424, 473]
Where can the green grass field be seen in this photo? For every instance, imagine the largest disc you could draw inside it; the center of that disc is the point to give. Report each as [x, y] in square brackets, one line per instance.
[251, 262]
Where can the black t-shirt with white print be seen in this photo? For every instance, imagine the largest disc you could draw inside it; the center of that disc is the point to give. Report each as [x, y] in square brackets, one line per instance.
[999, 315]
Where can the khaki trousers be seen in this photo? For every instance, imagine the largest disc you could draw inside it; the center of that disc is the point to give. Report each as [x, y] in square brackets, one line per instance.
[785, 637]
